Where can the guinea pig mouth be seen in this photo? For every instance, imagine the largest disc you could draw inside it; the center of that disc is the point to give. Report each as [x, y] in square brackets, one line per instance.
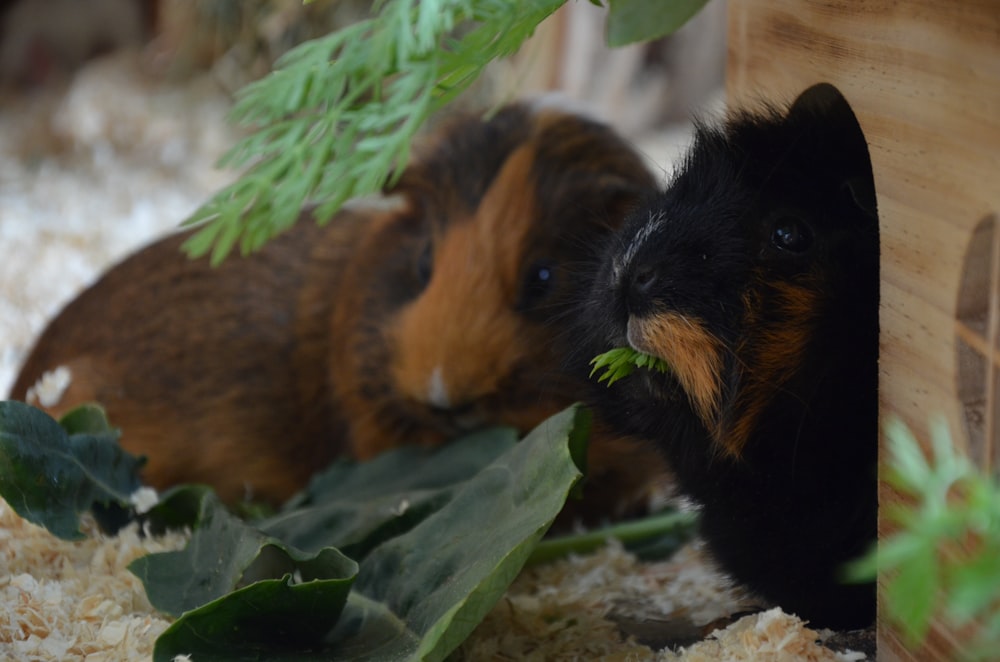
[639, 340]
[455, 420]
[693, 354]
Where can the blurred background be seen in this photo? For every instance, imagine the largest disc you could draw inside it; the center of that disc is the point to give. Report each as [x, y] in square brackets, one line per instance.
[113, 115]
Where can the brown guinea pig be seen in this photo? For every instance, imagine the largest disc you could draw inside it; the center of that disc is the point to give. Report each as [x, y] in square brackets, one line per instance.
[411, 322]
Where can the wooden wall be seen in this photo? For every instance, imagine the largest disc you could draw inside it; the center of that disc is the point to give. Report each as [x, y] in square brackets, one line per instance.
[924, 79]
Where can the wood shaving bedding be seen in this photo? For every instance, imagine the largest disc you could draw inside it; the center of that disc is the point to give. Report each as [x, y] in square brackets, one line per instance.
[568, 610]
[768, 636]
[75, 600]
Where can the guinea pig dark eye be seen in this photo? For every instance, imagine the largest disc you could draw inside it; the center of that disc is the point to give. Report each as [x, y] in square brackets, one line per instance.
[537, 284]
[791, 234]
[425, 264]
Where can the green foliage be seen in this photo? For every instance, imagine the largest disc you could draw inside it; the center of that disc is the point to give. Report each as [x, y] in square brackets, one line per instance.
[620, 362]
[414, 518]
[442, 577]
[337, 115]
[945, 558]
[225, 554]
[51, 473]
[355, 507]
[641, 20]
[271, 619]
[417, 593]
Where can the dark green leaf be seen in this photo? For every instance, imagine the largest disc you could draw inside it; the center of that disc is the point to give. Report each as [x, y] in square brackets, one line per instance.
[178, 508]
[224, 553]
[407, 468]
[354, 507]
[426, 590]
[49, 477]
[87, 419]
[273, 619]
[641, 20]
[421, 592]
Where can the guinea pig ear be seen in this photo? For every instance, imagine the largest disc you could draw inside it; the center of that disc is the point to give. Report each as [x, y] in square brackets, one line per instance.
[823, 100]
[622, 196]
[862, 192]
[838, 140]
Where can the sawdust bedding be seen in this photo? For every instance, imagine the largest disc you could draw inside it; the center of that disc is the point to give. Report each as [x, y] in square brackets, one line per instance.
[77, 600]
[84, 181]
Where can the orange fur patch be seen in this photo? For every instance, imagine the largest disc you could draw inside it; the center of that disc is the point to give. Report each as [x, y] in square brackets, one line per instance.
[470, 297]
[693, 354]
[769, 355]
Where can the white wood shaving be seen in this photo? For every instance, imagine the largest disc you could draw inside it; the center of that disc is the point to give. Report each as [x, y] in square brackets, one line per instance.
[560, 612]
[143, 499]
[768, 636]
[75, 600]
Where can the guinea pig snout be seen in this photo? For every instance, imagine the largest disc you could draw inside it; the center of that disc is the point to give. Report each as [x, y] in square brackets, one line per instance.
[638, 338]
[452, 350]
[693, 353]
[438, 388]
[640, 286]
[442, 398]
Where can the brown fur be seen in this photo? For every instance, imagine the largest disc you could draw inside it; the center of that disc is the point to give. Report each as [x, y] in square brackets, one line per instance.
[216, 374]
[252, 376]
[767, 357]
[693, 354]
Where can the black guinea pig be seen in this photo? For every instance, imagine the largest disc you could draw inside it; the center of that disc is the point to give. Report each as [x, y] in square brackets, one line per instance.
[755, 277]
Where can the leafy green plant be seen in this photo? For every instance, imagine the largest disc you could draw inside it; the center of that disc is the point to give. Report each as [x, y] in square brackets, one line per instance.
[338, 114]
[419, 588]
[51, 473]
[944, 559]
[640, 20]
[620, 362]
[419, 576]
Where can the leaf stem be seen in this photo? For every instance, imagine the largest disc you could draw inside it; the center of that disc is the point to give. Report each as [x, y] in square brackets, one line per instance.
[634, 531]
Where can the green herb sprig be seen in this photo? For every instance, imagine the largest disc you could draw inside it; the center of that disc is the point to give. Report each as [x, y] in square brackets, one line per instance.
[944, 560]
[336, 117]
[622, 361]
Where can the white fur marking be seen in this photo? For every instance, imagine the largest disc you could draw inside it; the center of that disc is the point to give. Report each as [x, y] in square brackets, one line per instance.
[49, 390]
[656, 219]
[437, 392]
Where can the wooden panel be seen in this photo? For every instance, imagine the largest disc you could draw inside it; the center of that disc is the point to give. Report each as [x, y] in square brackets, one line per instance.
[924, 79]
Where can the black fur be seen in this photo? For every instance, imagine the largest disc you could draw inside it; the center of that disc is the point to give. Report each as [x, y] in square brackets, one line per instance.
[785, 510]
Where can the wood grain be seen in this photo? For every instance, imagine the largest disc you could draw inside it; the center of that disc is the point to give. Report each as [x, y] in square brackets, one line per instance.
[924, 80]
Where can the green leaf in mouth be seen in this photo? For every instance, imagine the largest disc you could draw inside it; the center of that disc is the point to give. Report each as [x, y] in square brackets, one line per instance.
[621, 361]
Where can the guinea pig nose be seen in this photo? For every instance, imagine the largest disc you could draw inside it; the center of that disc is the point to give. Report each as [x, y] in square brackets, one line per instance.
[643, 280]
